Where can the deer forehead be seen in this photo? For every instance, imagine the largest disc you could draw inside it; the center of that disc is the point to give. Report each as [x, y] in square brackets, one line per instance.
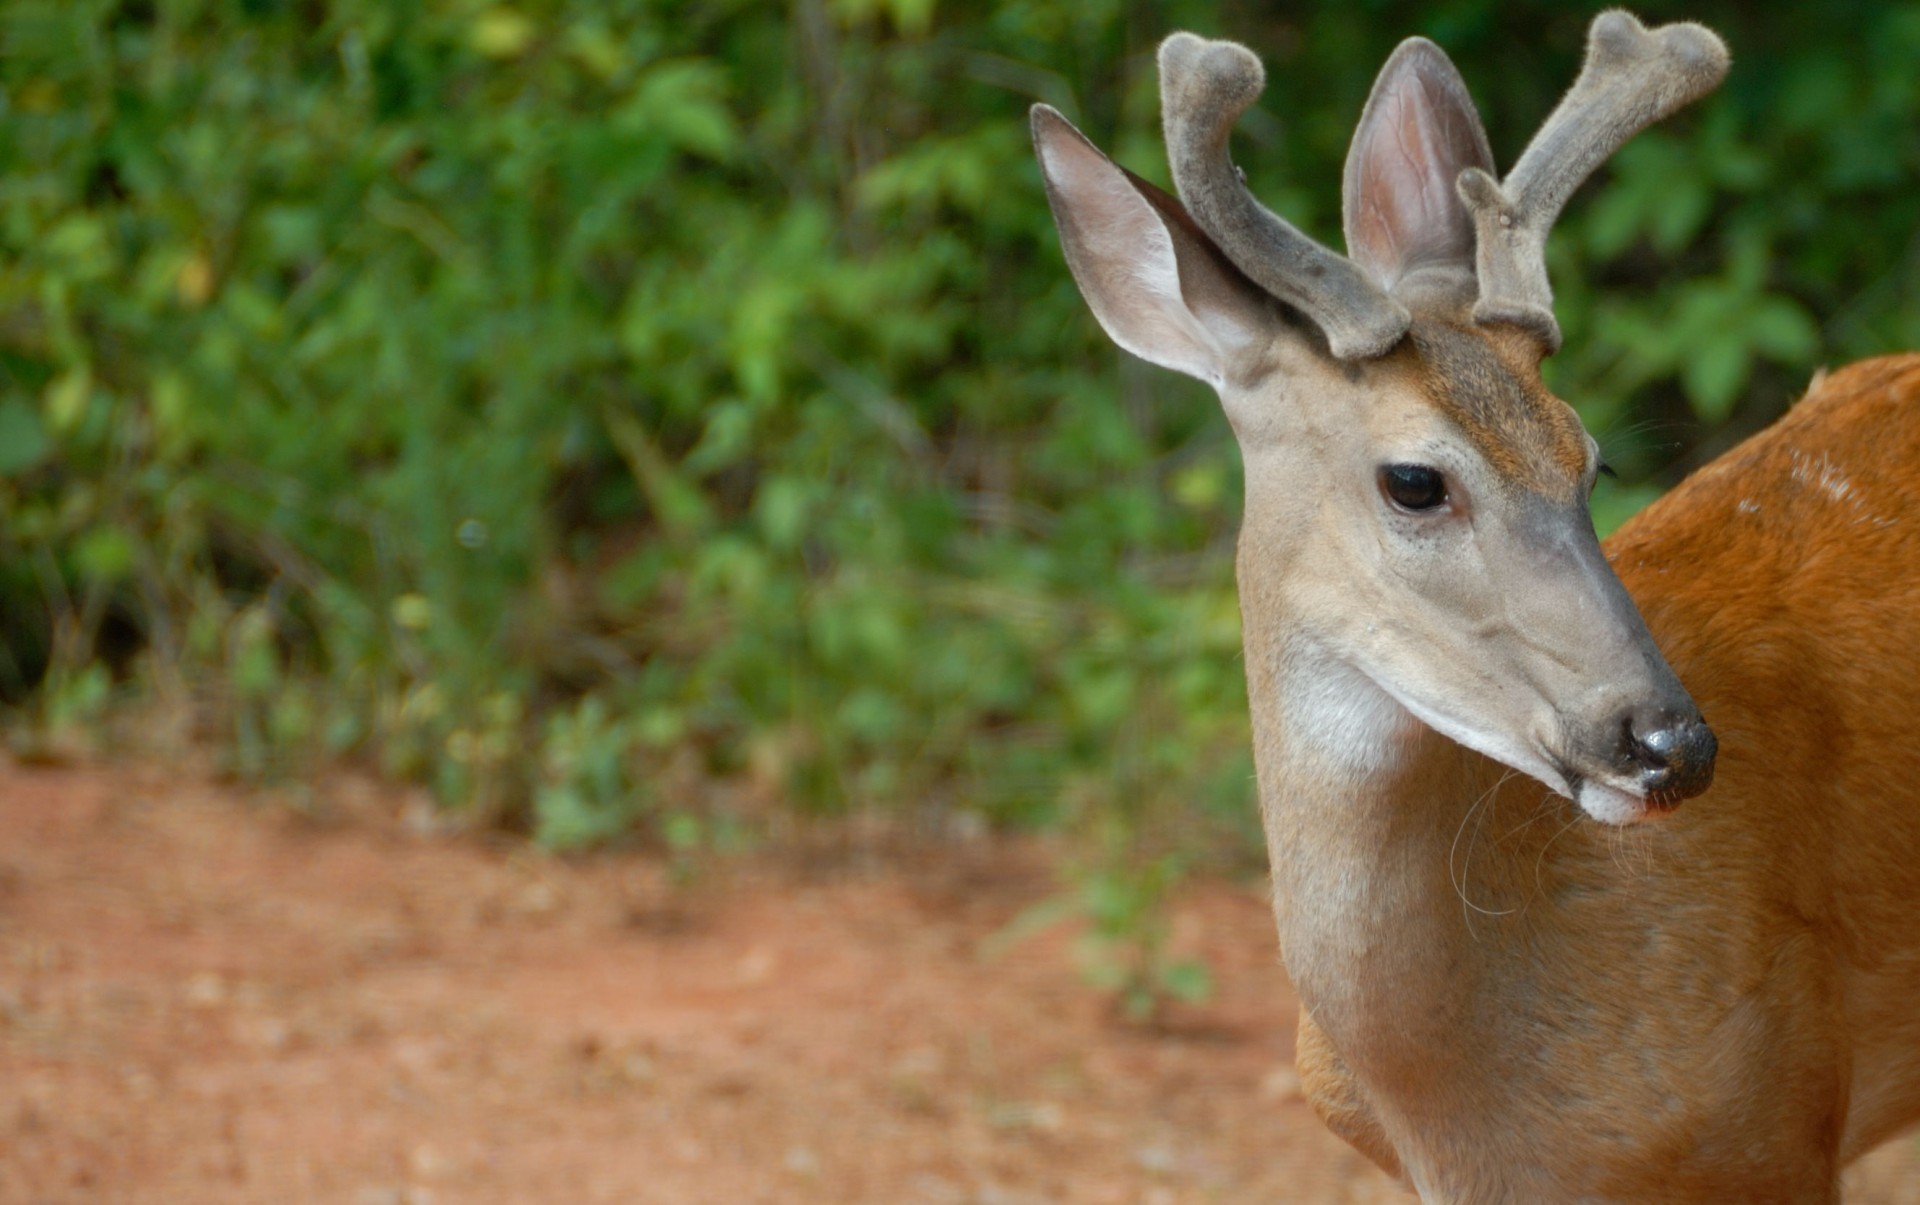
[1487, 384]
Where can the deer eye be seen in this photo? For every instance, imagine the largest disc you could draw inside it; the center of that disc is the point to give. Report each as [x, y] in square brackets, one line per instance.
[1413, 487]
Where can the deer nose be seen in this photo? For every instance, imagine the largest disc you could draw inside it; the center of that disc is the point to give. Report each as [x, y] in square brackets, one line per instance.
[1672, 753]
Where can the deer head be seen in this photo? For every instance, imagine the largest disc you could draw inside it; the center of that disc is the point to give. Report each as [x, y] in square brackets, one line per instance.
[1417, 548]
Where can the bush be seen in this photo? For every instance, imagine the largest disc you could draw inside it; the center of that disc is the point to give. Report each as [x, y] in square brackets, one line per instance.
[537, 397]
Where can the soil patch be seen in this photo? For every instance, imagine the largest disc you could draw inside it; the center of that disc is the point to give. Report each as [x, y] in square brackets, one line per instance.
[206, 998]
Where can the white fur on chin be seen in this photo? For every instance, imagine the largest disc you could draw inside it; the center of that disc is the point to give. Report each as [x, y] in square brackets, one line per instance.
[1610, 805]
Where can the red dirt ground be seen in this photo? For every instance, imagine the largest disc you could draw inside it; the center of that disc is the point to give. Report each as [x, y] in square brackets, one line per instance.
[205, 997]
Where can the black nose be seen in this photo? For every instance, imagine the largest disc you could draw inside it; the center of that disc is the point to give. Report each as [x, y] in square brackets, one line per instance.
[1673, 754]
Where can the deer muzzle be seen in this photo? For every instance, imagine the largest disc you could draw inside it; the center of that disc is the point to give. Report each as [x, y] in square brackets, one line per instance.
[1672, 754]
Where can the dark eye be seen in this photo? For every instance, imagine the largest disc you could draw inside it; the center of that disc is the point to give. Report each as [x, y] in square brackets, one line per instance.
[1413, 487]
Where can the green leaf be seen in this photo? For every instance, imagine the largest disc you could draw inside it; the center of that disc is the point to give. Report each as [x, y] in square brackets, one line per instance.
[683, 832]
[413, 611]
[594, 45]
[1782, 329]
[23, 441]
[1200, 486]
[1191, 982]
[725, 440]
[683, 102]
[1029, 923]
[1685, 203]
[1714, 373]
[1614, 503]
[501, 33]
[781, 507]
[104, 554]
[67, 398]
[563, 819]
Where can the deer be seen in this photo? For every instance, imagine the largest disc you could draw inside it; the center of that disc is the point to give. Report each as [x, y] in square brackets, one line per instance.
[1595, 868]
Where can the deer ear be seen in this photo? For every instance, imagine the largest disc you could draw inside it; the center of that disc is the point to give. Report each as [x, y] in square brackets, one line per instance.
[1418, 132]
[1159, 287]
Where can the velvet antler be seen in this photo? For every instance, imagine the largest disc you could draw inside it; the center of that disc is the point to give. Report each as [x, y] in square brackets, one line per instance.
[1204, 88]
[1632, 78]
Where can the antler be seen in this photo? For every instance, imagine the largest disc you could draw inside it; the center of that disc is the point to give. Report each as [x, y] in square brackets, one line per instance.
[1204, 88]
[1632, 78]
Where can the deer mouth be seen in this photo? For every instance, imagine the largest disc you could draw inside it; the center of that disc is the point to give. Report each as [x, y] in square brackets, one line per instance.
[1617, 804]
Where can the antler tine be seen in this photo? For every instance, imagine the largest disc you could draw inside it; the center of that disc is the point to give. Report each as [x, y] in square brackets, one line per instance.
[1632, 78]
[1204, 88]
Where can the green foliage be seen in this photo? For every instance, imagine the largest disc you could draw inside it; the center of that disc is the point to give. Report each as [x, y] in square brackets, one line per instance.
[1124, 949]
[526, 395]
[589, 790]
[1120, 903]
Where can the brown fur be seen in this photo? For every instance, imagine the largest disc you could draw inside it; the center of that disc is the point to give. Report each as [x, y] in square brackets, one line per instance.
[1331, 1089]
[1479, 379]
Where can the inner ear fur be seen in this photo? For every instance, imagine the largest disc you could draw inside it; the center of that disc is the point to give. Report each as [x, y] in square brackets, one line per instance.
[1405, 223]
[1158, 285]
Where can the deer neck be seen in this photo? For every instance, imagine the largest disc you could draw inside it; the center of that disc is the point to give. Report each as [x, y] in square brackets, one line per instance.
[1366, 811]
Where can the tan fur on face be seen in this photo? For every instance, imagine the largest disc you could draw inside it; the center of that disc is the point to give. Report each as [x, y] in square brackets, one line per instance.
[1487, 382]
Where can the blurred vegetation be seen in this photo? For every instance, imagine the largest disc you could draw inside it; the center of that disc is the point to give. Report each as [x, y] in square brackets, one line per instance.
[563, 400]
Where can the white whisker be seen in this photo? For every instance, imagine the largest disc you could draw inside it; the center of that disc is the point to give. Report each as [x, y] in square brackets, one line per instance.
[1458, 876]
